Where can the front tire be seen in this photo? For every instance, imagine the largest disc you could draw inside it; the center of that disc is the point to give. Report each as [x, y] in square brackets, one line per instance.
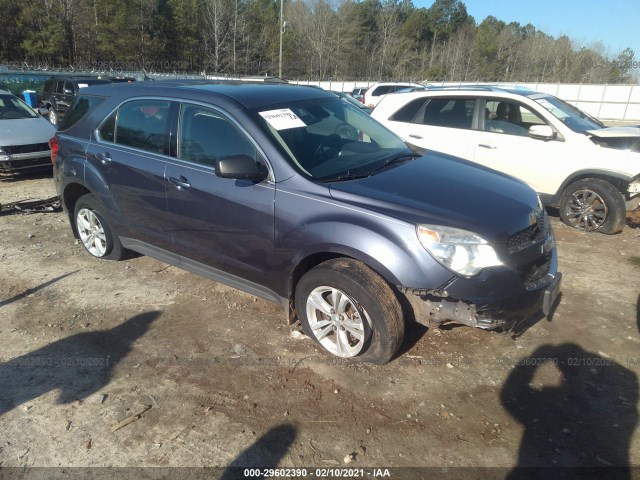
[593, 205]
[53, 116]
[97, 236]
[350, 311]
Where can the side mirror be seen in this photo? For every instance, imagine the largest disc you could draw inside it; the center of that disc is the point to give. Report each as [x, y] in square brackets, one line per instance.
[68, 91]
[241, 167]
[542, 132]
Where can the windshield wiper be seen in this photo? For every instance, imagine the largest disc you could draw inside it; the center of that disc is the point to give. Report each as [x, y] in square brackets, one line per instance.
[345, 177]
[395, 159]
[400, 158]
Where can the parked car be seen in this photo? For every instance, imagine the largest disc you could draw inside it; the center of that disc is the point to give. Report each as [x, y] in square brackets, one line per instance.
[60, 91]
[24, 136]
[119, 79]
[358, 93]
[349, 99]
[553, 146]
[376, 91]
[240, 183]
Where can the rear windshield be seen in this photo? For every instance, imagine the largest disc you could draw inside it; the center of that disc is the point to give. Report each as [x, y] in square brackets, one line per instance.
[82, 105]
[12, 108]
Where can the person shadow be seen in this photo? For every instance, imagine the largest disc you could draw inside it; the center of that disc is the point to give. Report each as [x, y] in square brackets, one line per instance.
[264, 454]
[581, 425]
[77, 366]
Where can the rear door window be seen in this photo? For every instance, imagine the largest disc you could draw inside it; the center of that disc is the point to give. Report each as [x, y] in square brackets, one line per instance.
[448, 112]
[142, 124]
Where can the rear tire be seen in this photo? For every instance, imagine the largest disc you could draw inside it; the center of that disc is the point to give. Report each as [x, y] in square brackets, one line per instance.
[96, 234]
[593, 205]
[350, 311]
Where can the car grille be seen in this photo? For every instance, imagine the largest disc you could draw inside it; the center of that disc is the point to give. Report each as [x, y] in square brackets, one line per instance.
[538, 232]
[535, 273]
[17, 149]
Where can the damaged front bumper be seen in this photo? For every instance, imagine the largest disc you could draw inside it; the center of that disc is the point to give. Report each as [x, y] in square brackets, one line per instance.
[14, 162]
[494, 299]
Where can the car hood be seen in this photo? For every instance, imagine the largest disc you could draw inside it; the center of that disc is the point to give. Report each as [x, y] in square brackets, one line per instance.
[619, 138]
[25, 131]
[616, 132]
[444, 190]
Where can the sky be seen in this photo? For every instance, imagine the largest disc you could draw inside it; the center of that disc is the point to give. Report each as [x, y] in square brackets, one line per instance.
[615, 23]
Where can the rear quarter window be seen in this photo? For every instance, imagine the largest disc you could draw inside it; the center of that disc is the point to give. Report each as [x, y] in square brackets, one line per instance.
[382, 90]
[409, 112]
[82, 105]
[48, 85]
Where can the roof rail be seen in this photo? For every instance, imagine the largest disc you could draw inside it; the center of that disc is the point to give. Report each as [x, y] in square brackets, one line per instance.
[490, 88]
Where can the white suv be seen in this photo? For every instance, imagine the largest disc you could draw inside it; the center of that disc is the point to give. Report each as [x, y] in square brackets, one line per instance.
[378, 90]
[577, 165]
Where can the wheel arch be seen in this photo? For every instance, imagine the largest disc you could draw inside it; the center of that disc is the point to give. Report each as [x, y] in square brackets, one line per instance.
[619, 181]
[312, 260]
[72, 192]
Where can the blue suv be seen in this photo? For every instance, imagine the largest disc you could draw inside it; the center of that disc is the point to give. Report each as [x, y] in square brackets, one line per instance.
[295, 196]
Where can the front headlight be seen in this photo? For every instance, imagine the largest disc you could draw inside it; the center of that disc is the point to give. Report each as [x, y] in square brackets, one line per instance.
[459, 250]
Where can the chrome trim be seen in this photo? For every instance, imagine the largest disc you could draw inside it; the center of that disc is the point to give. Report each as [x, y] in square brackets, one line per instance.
[26, 156]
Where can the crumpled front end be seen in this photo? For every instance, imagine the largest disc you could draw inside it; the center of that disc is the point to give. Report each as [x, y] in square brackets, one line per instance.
[16, 158]
[527, 283]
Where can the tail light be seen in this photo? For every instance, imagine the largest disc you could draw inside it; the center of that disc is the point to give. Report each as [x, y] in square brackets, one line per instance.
[53, 145]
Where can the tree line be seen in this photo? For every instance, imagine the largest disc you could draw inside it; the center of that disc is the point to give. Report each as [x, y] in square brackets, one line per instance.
[323, 39]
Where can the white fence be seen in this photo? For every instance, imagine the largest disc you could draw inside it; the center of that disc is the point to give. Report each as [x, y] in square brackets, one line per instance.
[619, 103]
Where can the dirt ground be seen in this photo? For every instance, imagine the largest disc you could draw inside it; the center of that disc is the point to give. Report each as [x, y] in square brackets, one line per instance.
[212, 376]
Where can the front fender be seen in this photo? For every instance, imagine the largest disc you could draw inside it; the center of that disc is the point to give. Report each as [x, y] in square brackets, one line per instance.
[391, 249]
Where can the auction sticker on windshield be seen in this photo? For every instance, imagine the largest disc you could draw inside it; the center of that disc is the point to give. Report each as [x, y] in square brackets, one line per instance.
[282, 119]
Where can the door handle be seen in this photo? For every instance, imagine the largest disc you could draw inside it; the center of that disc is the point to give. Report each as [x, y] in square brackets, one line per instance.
[490, 147]
[180, 183]
[104, 158]
[412, 135]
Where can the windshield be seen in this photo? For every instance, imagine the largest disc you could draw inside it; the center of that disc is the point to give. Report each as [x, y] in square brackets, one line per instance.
[330, 140]
[349, 99]
[572, 117]
[12, 108]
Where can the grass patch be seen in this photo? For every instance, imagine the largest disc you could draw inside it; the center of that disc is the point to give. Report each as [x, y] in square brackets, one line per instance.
[635, 261]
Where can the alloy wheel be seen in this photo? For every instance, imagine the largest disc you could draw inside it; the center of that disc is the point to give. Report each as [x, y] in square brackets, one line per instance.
[586, 210]
[91, 232]
[340, 325]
